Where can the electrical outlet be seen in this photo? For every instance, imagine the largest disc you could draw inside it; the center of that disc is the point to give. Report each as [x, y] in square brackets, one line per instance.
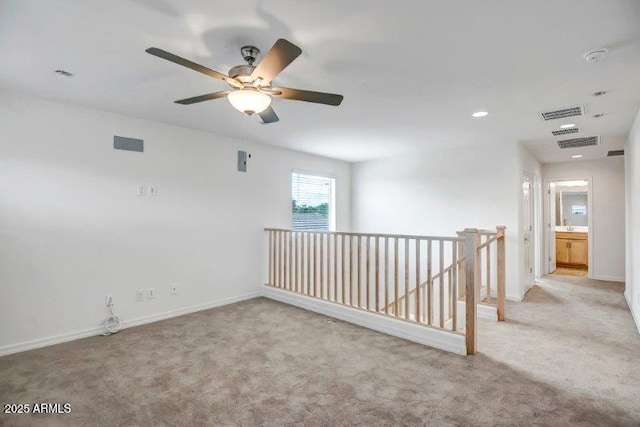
[173, 289]
[108, 300]
[139, 295]
[151, 293]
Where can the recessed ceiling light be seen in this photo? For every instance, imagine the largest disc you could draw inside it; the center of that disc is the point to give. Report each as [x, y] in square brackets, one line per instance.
[577, 156]
[479, 114]
[64, 73]
[568, 125]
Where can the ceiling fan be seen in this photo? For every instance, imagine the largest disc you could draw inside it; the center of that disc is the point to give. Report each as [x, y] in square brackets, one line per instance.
[251, 89]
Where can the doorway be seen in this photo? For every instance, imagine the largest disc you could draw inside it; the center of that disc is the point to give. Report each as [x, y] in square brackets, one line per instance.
[568, 227]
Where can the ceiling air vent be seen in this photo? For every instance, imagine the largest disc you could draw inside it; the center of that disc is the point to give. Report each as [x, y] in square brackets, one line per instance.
[579, 142]
[614, 153]
[562, 113]
[564, 131]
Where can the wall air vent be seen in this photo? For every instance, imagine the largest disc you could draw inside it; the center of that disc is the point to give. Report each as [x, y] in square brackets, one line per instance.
[562, 113]
[128, 144]
[579, 142]
[564, 131]
[614, 153]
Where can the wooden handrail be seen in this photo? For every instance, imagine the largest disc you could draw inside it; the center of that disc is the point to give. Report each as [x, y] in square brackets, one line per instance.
[348, 233]
[487, 243]
[425, 283]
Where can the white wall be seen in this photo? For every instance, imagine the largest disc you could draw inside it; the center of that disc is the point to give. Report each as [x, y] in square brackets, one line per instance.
[73, 229]
[441, 192]
[632, 175]
[607, 196]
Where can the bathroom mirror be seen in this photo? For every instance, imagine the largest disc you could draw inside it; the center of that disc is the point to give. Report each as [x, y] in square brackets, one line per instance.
[572, 207]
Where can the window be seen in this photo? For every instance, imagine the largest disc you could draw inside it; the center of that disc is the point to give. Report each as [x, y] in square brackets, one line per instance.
[578, 210]
[312, 202]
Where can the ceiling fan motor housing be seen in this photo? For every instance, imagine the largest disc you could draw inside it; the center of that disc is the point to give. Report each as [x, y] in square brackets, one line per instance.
[242, 73]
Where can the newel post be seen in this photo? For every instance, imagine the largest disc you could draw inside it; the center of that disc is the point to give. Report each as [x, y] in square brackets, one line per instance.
[471, 242]
[501, 272]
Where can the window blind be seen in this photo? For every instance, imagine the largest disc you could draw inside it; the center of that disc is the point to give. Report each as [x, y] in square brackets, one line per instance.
[310, 202]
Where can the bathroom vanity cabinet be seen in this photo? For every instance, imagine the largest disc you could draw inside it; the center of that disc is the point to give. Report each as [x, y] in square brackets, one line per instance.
[572, 249]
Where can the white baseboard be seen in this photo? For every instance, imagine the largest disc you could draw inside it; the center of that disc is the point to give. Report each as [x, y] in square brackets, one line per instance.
[44, 342]
[187, 310]
[609, 278]
[487, 312]
[515, 298]
[75, 335]
[634, 315]
[454, 343]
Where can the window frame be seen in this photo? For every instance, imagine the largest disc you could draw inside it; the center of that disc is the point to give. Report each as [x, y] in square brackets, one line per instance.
[332, 195]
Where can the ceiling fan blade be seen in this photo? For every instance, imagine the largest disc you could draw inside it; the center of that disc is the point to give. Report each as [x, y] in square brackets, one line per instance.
[307, 95]
[279, 56]
[201, 98]
[268, 116]
[196, 67]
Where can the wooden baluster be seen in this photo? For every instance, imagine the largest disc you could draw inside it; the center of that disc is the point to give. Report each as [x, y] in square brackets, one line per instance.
[296, 270]
[386, 275]
[335, 267]
[352, 270]
[307, 261]
[406, 280]
[270, 257]
[470, 246]
[329, 262]
[280, 259]
[449, 292]
[417, 297]
[462, 275]
[488, 255]
[367, 275]
[322, 289]
[501, 270]
[441, 283]
[396, 277]
[285, 265]
[291, 281]
[359, 271]
[429, 282]
[454, 288]
[276, 260]
[377, 279]
[315, 265]
[344, 275]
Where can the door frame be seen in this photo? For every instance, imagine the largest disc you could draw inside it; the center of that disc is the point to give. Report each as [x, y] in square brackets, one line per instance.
[590, 212]
[538, 227]
[528, 277]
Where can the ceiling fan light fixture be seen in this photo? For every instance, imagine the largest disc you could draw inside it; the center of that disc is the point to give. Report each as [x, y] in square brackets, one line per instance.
[249, 101]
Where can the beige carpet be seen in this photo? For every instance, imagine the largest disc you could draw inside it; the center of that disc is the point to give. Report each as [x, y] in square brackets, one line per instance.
[568, 355]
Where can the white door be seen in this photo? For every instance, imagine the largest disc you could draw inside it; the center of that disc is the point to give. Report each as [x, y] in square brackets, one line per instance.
[551, 227]
[527, 231]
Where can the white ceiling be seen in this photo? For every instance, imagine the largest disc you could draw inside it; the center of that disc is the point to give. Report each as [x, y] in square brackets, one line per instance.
[411, 72]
